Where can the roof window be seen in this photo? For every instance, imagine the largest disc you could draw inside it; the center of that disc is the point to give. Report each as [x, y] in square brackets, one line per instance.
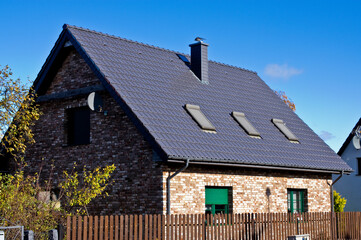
[199, 117]
[284, 129]
[245, 124]
[184, 59]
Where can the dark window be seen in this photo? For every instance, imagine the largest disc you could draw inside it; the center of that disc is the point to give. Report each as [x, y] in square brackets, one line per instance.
[183, 58]
[358, 166]
[78, 126]
[218, 200]
[296, 200]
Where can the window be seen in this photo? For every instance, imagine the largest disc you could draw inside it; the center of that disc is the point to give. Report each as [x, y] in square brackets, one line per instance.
[284, 129]
[359, 166]
[183, 58]
[245, 124]
[296, 200]
[50, 197]
[218, 200]
[78, 126]
[199, 117]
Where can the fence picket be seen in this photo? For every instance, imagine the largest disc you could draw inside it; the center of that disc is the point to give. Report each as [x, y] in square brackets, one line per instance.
[146, 227]
[247, 226]
[96, 229]
[111, 227]
[85, 228]
[154, 227]
[106, 227]
[135, 236]
[162, 227]
[126, 227]
[121, 227]
[74, 228]
[141, 227]
[116, 228]
[68, 228]
[90, 228]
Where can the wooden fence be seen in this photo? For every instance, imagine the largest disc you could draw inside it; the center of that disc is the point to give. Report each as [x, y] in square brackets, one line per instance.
[255, 226]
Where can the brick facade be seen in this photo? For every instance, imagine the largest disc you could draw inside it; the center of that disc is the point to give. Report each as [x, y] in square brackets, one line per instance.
[114, 139]
[140, 183]
[248, 188]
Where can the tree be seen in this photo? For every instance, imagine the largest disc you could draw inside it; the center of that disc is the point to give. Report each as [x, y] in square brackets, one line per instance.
[286, 100]
[339, 202]
[23, 200]
[18, 111]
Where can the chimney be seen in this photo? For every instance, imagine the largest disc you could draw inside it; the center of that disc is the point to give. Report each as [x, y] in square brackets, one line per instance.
[199, 59]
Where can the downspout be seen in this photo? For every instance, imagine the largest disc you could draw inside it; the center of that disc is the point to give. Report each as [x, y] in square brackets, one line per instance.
[331, 189]
[332, 203]
[168, 184]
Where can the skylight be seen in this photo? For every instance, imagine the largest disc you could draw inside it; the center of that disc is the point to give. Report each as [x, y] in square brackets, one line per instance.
[199, 117]
[183, 58]
[245, 124]
[284, 129]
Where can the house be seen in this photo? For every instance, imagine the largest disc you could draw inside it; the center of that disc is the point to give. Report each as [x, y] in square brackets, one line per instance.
[187, 135]
[347, 185]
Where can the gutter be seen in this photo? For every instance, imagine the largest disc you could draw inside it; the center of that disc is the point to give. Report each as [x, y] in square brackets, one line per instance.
[180, 160]
[168, 184]
[331, 189]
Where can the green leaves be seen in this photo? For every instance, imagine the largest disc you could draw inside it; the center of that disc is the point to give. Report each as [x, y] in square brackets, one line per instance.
[80, 190]
[339, 202]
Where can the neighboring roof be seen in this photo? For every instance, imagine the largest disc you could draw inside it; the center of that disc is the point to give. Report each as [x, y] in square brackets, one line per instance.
[349, 138]
[153, 85]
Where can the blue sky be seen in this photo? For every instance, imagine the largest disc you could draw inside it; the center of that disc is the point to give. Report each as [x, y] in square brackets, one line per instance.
[309, 49]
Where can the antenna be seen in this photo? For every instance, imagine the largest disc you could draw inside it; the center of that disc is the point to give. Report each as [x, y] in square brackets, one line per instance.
[356, 139]
[95, 102]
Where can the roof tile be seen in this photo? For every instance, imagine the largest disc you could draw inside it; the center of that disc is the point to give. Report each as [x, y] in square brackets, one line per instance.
[156, 84]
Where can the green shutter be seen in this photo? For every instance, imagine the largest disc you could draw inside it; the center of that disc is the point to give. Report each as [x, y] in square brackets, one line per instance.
[216, 196]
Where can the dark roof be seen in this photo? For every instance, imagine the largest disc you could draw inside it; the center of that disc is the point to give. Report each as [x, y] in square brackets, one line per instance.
[349, 138]
[153, 85]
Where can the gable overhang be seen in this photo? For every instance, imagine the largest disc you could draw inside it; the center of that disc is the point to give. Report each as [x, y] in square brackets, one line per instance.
[348, 139]
[211, 162]
[54, 57]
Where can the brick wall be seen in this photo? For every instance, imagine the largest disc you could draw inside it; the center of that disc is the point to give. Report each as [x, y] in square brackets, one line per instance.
[114, 139]
[248, 188]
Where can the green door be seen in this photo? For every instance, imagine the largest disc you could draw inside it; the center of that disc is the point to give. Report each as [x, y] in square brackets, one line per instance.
[217, 200]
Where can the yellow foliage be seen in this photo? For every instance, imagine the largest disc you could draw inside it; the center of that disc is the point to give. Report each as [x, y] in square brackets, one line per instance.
[19, 203]
[286, 100]
[80, 190]
[18, 111]
[339, 202]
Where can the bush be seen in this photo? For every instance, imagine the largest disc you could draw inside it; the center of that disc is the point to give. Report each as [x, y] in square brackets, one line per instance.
[19, 203]
[339, 202]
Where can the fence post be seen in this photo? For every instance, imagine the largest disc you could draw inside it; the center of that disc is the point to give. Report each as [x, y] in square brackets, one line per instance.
[61, 231]
[28, 235]
[53, 234]
[298, 225]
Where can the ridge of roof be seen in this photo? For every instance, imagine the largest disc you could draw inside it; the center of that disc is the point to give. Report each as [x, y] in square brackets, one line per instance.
[66, 26]
[348, 139]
